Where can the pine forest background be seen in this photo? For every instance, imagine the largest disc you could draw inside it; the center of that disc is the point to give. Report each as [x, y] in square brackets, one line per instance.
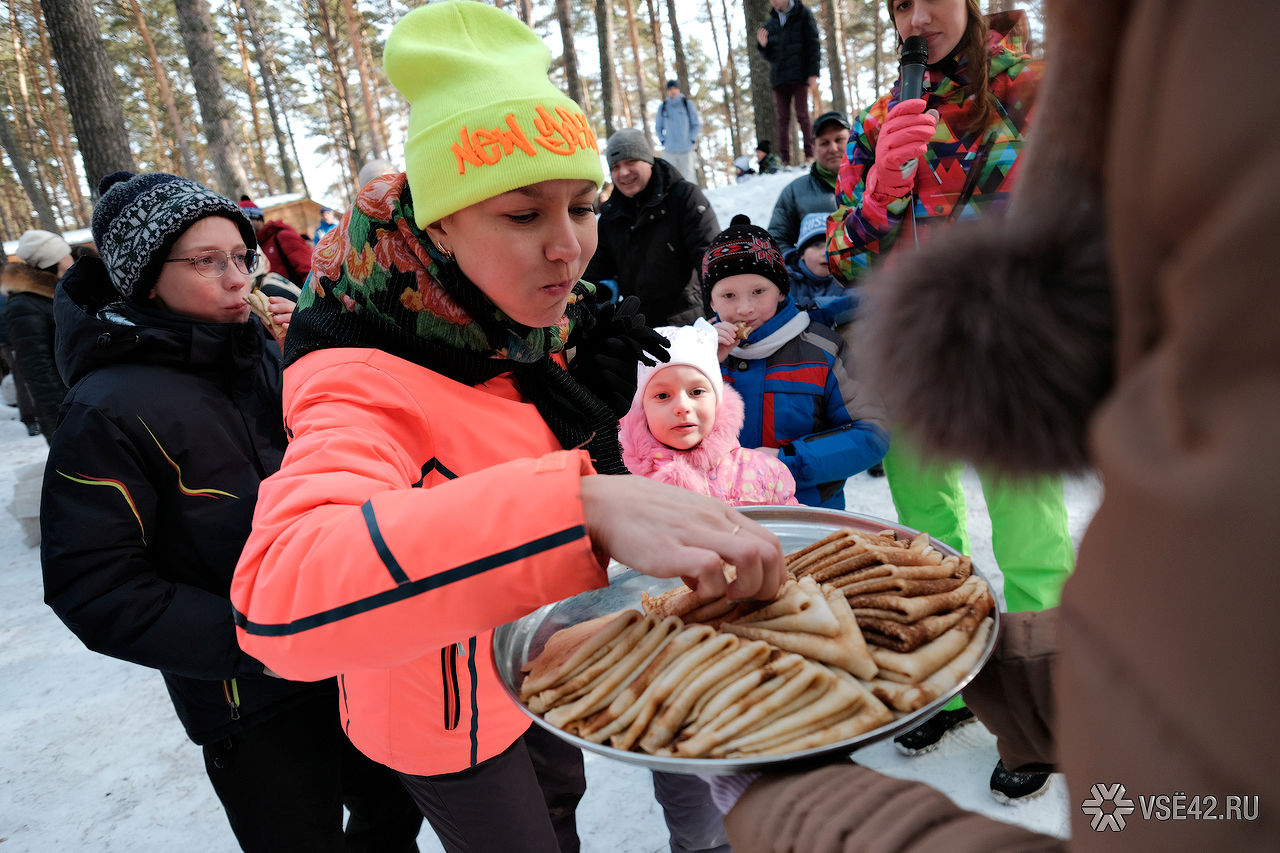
[267, 99]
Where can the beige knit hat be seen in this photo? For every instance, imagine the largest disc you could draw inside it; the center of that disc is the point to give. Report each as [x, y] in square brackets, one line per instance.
[42, 249]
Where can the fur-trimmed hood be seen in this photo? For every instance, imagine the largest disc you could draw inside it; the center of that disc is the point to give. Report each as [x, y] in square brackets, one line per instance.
[645, 455]
[19, 277]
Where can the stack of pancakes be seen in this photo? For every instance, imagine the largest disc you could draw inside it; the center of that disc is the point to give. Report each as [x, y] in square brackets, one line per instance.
[866, 623]
[924, 616]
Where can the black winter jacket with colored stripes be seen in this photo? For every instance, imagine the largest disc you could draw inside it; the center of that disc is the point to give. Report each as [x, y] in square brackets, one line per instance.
[149, 492]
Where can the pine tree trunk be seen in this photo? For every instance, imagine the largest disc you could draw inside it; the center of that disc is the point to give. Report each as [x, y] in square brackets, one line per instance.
[258, 164]
[766, 114]
[735, 126]
[633, 33]
[176, 125]
[730, 95]
[604, 37]
[90, 88]
[878, 56]
[835, 55]
[377, 145]
[572, 81]
[269, 90]
[55, 121]
[18, 160]
[215, 110]
[346, 113]
[28, 136]
[655, 29]
[682, 66]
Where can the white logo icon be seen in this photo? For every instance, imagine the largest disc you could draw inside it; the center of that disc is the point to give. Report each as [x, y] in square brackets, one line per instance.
[1103, 818]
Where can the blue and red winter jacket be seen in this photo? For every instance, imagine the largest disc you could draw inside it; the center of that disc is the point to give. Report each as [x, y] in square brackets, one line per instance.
[801, 397]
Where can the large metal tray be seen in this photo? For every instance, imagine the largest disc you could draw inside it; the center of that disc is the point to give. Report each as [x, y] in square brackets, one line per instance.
[515, 643]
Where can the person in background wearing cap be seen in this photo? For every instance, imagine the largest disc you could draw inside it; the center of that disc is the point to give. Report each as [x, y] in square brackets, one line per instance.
[443, 470]
[172, 420]
[803, 404]
[328, 221]
[922, 164]
[286, 251]
[654, 229]
[815, 190]
[788, 41]
[813, 288]
[28, 286]
[678, 125]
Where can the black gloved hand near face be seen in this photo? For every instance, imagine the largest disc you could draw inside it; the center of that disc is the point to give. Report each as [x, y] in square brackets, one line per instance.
[608, 355]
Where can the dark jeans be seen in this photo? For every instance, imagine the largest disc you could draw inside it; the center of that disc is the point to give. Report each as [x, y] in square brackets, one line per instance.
[26, 405]
[283, 783]
[783, 97]
[695, 824]
[524, 799]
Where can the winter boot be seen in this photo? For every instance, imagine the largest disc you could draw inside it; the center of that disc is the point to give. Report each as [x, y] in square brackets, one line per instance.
[926, 736]
[1010, 787]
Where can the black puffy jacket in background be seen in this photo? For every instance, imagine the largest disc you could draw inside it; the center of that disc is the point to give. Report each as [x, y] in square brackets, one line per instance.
[28, 318]
[149, 490]
[794, 52]
[653, 244]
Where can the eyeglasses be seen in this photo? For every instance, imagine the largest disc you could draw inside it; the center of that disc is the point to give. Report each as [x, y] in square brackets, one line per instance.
[213, 264]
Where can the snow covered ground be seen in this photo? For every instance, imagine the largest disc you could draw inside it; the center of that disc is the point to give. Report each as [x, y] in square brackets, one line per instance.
[92, 757]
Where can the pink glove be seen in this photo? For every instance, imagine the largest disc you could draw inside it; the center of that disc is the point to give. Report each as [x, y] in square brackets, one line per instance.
[904, 137]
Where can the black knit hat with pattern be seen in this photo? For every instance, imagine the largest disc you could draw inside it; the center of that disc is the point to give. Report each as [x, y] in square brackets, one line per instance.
[138, 218]
[740, 249]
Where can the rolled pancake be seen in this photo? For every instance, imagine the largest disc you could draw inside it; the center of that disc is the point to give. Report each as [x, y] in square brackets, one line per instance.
[906, 556]
[901, 586]
[612, 681]
[800, 607]
[804, 555]
[904, 608]
[623, 707]
[760, 704]
[684, 668]
[860, 715]
[722, 672]
[847, 650]
[570, 648]
[914, 667]
[640, 639]
[676, 601]
[913, 697]
[847, 564]
[710, 706]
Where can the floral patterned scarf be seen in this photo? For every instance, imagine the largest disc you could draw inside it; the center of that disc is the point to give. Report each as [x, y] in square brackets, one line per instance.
[378, 281]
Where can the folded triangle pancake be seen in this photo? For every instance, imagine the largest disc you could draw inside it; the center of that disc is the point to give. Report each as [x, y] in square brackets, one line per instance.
[914, 667]
[800, 606]
[846, 650]
[913, 697]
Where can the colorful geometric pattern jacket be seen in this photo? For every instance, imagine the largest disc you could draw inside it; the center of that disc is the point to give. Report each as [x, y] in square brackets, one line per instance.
[803, 399]
[149, 490]
[968, 175]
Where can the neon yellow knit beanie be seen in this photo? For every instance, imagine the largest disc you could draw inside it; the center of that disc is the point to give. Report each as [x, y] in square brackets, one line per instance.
[484, 118]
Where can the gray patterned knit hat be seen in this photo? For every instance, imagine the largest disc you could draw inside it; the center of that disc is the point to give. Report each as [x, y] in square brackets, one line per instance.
[138, 218]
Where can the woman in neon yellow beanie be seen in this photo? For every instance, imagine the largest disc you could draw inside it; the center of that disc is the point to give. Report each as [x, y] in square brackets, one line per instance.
[441, 473]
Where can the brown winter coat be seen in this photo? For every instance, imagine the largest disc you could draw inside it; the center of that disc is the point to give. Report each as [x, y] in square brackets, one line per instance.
[1165, 679]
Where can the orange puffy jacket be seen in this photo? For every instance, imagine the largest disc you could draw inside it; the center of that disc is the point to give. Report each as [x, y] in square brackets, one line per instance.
[411, 515]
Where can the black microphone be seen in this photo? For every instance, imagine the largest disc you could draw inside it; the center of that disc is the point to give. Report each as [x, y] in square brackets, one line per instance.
[915, 54]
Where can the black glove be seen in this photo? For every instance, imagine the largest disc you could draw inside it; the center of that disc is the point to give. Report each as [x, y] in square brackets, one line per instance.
[607, 356]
